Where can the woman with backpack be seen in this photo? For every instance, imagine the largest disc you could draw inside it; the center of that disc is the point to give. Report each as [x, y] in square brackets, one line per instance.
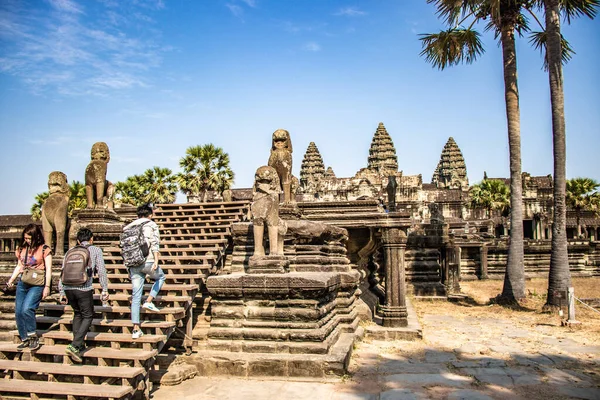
[34, 264]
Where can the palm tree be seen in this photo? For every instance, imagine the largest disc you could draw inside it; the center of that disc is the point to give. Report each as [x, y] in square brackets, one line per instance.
[457, 45]
[582, 194]
[204, 168]
[36, 208]
[491, 194]
[160, 185]
[78, 199]
[129, 191]
[557, 52]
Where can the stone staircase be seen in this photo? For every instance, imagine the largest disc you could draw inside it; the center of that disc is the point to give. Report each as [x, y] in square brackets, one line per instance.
[194, 238]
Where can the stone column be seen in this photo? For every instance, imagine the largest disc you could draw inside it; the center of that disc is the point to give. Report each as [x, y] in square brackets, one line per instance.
[483, 262]
[393, 313]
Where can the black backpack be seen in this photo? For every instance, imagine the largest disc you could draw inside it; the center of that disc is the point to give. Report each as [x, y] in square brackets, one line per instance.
[134, 248]
[76, 266]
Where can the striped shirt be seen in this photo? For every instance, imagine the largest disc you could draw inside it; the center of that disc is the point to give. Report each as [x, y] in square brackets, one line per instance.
[97, 264]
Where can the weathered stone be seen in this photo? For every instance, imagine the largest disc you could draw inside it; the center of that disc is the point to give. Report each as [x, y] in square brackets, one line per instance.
[55, 211]
[99, 191]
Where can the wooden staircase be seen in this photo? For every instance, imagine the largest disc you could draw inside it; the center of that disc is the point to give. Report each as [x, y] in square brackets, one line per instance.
[194, 238]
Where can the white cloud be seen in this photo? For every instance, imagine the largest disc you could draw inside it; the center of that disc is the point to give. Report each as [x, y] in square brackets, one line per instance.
[250, 3]
[236, 10]
[350, 12]
[61, 50]
[312, 46]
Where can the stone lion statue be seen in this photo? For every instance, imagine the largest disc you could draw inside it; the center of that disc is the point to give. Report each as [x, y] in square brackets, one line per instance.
[264, 210]
[281, 160]
[55, 209]
[98, 190]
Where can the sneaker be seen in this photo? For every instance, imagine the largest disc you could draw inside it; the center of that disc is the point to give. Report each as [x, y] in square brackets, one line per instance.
[24, 345]
[137, 334]
[151, 307]
[74, 353]
[34, 343]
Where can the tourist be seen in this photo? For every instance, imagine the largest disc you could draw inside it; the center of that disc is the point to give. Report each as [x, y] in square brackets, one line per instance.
[150, 268]
[34, 264]
[81, 298]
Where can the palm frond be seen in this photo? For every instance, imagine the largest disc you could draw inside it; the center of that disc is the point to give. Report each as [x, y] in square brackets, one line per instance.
[451, 47]
[538, 40]
[577, 8]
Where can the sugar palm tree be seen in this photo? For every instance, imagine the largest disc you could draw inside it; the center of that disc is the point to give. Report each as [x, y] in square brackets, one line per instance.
[491, 194]
[204, 168]
[582, 194]
[160, 185]
[129, 191]
[36, 208]
[557, 51]
[78, 199]
[460, 44]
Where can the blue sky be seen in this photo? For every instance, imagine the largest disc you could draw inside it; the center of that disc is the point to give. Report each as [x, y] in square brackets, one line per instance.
[154, 77]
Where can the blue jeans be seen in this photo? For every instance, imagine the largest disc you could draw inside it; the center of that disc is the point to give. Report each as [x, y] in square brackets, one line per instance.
[137, 288]
[27, 301]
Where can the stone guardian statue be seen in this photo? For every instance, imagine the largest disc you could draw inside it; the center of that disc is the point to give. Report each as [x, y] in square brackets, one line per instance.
[281, 160]
[98, 190]
[265, 211]
[55, 211]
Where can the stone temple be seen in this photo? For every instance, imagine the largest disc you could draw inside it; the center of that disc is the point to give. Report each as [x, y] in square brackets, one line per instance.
[270, 285]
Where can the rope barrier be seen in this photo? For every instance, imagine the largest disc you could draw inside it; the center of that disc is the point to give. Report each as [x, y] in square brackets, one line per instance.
[588, 306]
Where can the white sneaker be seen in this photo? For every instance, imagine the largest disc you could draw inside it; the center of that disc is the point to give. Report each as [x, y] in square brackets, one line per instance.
[137, 334]
[150, 306]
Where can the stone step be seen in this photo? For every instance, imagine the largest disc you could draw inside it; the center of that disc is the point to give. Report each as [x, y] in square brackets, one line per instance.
[36, 388]
[7, 325]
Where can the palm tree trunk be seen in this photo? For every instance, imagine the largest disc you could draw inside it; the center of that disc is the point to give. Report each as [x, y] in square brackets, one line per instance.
[559, 279]
[514, 279]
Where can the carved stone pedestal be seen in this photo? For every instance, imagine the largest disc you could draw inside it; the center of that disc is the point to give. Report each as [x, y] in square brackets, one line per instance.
[268, 265]
[104, 223]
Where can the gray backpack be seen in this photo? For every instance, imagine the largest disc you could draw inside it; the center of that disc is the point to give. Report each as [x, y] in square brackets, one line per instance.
[134, 248]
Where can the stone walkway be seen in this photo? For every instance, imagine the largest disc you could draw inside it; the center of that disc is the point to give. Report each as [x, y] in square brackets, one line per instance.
[459, 358]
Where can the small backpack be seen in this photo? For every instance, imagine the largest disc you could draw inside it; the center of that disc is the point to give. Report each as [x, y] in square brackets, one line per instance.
[76, 266]
[134, 248]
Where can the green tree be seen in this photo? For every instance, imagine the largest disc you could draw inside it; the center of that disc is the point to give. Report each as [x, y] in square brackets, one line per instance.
[36, 208]
[582, 194]
[155, 185]
[160, 186]
[78, 199]
[557, 51]
[204, 168]
[460, 44]
[491, 194]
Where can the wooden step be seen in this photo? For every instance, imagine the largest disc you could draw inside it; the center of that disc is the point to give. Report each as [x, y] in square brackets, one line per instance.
[114, 340]
[67, 319]
[147, 286]
[175, 312]
[90, 352]
[224, 233]
[64, 389]
[76, 370]
[168, 275]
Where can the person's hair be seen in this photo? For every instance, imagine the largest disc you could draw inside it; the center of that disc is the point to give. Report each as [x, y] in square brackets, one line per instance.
[84, 235]
[144, 211]
[37, 236]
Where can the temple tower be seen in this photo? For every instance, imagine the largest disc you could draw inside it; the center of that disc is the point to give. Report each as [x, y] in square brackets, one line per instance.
[382, 154]
[329, 173]
[312, 169]
[451, 171]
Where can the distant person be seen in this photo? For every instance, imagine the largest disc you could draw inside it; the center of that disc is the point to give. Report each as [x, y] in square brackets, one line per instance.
[34, 264]
[81, 296]
[148, 268]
